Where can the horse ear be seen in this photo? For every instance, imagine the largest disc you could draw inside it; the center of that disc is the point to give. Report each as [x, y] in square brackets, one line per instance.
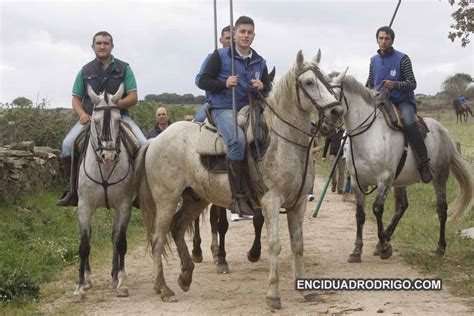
[271, 75]
[94, 97]
[341, 76]
[299, 59]
[118, 95]
[317, 58]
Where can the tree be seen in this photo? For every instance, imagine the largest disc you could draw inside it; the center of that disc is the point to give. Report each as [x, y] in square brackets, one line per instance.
[456, 85]
[22, 102]
[464, 21]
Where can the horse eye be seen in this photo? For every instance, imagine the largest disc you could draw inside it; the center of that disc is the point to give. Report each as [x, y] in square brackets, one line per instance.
[309, 82]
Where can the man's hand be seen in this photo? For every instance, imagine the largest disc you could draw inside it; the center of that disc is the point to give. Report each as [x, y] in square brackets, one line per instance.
[390, 85]
[257, 84]
[231, 81]
[85, 119]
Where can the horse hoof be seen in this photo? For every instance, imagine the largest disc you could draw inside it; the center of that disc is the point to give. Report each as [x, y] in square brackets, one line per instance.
[439, 252]
[274, 302]
[197, 258]
[354, 258]
[167, 295]
[122, 292]
[88, 285]
[168, 299]
[377, 249]
[386, 251]
[253, 258]
[313, 297]
[223, 268]
[79, 295]
[183, 284]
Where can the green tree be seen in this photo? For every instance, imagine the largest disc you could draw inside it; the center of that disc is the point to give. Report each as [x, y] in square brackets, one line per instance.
[456, 85]
[463, 21]
[22, 102]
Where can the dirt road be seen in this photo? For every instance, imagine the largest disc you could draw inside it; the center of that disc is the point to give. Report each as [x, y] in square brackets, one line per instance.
[328, 241]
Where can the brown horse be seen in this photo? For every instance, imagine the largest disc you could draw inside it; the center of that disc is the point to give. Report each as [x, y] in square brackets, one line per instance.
[462, 111]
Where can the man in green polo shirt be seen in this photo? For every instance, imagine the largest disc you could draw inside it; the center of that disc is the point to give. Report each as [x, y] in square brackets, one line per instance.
[104, 73]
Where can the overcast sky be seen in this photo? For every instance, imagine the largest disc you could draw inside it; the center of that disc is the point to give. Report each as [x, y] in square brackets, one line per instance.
[45, 43]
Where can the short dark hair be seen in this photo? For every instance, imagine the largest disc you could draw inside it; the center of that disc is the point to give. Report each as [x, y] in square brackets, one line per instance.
[386, 29]
[225, 29]
[103, 33]
[244, 20]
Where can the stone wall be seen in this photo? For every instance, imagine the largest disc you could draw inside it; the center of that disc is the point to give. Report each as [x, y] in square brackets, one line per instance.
[26, 169]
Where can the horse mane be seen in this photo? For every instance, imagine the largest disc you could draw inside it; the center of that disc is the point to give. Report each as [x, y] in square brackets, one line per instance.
[350, 84]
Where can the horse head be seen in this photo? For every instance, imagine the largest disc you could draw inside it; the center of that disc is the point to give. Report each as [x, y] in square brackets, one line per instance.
[105, 124]
[312, 81]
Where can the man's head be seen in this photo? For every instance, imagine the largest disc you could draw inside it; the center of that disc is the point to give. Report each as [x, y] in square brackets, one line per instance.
[102, 44]
[225, 36]
[244, 32]
[385, 37]
[161, 116]
[188, 117]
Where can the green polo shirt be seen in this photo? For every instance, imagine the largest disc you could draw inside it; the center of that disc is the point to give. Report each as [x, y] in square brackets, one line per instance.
[130, 83]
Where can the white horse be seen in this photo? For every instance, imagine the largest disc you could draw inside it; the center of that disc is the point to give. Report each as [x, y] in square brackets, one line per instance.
[105, 179]
[374, 155]
[169, 167]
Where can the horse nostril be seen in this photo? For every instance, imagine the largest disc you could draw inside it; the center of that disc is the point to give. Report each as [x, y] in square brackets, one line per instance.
[335, 112]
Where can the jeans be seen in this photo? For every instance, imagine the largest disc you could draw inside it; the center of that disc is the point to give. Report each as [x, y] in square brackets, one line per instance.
[225, 125]
[200, 115]
[68, 141]
[408, 113]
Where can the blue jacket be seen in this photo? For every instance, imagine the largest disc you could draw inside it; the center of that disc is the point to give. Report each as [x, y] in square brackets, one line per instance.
[223, 99]
[387, 67]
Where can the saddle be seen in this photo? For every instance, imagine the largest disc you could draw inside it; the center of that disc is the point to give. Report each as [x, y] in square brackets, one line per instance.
[392, 115]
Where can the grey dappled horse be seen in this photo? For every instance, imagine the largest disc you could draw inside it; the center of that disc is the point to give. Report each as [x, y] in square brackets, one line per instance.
[462, 111]
[169, 167]
[373, 157]
[105, 179]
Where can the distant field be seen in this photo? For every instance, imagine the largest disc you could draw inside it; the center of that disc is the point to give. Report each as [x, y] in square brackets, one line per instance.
[459, 132]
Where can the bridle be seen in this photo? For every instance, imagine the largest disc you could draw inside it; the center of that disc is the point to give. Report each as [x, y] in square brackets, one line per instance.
[99, 148]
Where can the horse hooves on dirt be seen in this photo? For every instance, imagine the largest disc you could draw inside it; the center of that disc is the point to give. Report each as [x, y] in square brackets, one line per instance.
[377, 250]
[184, 284]
[274, 302]
[122, 292]
[386, 251]
[313, 297]
[439, 252]
[79, 295]
[223, 268]
[197, 258]
[354, 258]
[253, 257]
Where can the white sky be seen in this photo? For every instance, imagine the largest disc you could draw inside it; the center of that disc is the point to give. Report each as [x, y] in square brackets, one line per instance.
[45, 43]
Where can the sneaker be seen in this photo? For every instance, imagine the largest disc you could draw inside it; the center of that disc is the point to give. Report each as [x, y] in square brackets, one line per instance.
[310, 197]
[234, 217]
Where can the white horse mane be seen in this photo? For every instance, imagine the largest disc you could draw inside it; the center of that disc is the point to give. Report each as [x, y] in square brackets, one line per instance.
[352, 85]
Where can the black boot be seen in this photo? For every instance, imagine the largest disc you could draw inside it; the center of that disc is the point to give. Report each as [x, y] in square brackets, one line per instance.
[69, 197]
[240, 203]
[418, 144]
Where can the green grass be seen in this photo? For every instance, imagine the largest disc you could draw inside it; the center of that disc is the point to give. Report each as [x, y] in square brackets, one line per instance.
[417, 233]
[40, 239]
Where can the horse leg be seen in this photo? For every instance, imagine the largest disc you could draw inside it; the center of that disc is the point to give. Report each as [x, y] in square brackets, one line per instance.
[271, 207]
[253, 255]
[356, 254]
[185, 216]
[197, 251]
[84, 216]
[119, 241]
[214, 219]
[401, 204]
[439, 184]
[222, 227]
[384, 245]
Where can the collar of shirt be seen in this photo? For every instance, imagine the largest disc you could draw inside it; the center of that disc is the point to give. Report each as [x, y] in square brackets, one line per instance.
[244, 56]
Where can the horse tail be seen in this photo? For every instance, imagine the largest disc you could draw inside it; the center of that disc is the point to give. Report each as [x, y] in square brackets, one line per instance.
[462, 171]
[143, 192]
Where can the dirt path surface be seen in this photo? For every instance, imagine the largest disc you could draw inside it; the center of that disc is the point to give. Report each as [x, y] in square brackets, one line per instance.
[328, 240]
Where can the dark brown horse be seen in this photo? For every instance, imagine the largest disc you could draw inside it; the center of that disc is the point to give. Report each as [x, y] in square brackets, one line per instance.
[462, 111]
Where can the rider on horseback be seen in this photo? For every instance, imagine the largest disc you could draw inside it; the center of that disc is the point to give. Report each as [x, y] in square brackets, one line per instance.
[393, 70]
[217, 78]
[103, 73]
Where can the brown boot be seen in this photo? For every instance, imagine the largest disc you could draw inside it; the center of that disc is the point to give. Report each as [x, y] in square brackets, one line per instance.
[69, 197]
[240, 203]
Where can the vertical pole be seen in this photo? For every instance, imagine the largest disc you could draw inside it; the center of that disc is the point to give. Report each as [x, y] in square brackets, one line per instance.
[234, 105]
[395, 13]
[215, 24]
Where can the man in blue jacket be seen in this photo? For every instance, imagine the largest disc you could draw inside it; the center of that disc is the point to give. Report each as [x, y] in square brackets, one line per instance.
[394, 71]
[250, 74]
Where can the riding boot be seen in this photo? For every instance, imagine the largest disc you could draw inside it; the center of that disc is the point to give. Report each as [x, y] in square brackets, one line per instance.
[240, 203]
[69, 197]
[418, 144]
